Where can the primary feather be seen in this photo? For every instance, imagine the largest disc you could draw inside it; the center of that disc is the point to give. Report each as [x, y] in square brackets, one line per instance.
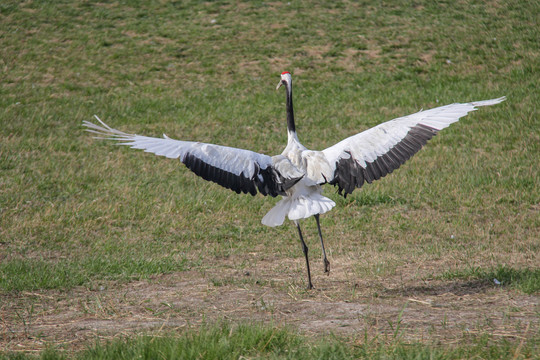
[378, 151]
[236, 169]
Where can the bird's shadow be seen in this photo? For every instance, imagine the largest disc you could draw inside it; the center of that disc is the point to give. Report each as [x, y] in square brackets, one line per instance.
[458, 287]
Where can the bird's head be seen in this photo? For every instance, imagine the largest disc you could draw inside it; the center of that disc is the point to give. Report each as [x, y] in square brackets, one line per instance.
[286, 79]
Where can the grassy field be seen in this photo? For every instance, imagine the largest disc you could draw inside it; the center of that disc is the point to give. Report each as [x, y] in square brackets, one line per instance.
[110, 246]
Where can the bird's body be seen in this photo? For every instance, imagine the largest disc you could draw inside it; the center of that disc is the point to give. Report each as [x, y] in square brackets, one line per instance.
[303, 199]
[299, 173]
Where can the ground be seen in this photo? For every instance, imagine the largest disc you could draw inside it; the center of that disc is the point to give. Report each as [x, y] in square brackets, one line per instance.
[403, 306]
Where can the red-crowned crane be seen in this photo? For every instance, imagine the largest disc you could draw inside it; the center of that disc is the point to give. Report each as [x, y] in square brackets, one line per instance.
[298, 173]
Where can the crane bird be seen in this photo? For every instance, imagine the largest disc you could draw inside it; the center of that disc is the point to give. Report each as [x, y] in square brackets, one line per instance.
[297, 174]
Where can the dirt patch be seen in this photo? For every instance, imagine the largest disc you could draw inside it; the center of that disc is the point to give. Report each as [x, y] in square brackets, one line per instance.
[429, 311]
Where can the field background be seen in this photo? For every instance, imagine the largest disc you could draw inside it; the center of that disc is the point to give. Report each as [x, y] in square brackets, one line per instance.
[101, 244]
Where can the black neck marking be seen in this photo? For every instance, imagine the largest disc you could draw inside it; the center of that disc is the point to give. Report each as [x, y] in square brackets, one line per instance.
[290, 112]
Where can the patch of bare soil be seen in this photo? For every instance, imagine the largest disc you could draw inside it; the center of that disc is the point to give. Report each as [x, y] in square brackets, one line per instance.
[407, 308]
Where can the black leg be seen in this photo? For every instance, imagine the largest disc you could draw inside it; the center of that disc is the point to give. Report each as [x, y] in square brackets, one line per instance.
[305, 250]
[325, 260]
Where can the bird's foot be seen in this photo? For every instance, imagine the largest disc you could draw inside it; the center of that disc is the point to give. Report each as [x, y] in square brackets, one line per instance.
[310, 286]
[326, 266]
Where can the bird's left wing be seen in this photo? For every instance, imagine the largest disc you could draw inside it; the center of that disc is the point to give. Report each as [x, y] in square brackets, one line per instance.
[236, 169]
[378, 151]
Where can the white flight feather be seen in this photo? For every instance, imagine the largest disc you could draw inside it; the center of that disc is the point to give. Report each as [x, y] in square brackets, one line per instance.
[372, 143]
[233, 160]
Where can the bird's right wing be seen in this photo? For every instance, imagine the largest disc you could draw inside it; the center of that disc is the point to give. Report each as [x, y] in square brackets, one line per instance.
[378, 151]
[236, 169]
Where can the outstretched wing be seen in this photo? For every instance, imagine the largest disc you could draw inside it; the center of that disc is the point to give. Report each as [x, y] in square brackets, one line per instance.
[380, 150]
[236, 169]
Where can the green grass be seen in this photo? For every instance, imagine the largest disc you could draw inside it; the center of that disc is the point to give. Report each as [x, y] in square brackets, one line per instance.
[41, 274]
[225, 341]
[75, 212]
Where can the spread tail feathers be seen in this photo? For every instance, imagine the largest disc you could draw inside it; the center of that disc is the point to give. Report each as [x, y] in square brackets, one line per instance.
[276, 215]
[297, 208]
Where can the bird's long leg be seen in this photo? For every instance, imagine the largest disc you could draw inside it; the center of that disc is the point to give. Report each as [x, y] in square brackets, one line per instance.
[325, 260]
[305, 250]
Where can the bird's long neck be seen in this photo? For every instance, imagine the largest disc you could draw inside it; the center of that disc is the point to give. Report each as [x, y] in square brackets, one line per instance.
[291, 128]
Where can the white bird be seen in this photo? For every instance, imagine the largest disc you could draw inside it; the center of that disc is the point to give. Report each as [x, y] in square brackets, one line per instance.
[298, 173]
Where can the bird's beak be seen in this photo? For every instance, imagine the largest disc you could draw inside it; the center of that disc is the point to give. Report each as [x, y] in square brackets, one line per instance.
[279, 85]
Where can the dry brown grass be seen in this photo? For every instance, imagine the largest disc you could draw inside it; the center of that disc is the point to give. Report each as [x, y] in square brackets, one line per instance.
[427, 311]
